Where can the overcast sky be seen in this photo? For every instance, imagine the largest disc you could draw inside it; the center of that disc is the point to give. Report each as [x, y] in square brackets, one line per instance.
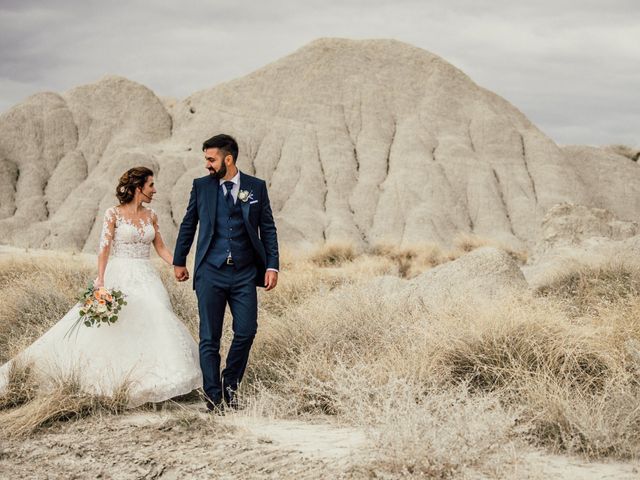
[573, 67]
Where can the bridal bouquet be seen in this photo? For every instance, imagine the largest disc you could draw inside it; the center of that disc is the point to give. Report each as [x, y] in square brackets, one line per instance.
[98, 306]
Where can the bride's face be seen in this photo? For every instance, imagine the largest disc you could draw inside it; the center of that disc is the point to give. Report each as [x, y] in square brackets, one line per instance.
[148, 190]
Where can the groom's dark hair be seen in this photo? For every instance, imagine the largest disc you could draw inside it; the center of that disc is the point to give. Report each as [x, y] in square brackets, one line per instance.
[225, 143]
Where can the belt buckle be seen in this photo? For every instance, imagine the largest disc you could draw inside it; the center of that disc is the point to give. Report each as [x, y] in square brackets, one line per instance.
[229, 261]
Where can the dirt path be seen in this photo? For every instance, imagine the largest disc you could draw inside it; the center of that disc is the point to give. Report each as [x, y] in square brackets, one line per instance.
[542, 465]
[181, 445]
[315, 440]
[188, 443]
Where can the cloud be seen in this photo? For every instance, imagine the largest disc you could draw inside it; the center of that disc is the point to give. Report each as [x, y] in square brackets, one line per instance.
[572, 67]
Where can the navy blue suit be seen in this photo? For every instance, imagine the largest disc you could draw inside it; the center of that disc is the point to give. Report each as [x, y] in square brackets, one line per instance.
[245, 230]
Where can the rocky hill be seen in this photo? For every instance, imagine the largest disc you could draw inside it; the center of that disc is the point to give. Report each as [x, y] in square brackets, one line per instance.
[365, 141]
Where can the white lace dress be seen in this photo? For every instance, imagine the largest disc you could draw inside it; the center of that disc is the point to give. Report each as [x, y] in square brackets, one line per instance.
[148, 348]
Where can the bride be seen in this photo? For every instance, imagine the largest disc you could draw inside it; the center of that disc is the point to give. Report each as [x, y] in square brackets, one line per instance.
[148, 350]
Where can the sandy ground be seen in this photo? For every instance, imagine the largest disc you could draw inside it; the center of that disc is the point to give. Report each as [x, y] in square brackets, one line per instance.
[188, 443]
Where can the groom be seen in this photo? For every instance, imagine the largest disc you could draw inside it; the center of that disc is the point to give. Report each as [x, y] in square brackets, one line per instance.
[237, 249]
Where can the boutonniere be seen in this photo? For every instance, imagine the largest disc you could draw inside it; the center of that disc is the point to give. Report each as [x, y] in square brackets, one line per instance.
[245, 196]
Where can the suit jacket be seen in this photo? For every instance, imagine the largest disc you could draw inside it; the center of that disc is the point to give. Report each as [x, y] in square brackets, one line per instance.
[257, 215]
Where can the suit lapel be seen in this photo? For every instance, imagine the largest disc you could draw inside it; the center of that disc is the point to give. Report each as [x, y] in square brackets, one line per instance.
[245, 184]
[213, 199]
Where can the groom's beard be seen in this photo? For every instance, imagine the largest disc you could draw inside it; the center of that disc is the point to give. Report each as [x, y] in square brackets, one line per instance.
[219, 173]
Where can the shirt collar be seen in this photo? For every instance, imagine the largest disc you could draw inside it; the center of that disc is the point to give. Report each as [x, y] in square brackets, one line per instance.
[235, 179]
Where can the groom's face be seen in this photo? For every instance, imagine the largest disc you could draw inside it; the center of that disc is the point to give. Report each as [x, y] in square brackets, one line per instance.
[214, 162]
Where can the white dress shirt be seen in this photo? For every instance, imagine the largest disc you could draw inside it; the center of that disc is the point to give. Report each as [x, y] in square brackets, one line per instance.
[236, 186]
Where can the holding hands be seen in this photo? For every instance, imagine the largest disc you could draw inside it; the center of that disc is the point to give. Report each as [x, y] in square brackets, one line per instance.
[181, 273]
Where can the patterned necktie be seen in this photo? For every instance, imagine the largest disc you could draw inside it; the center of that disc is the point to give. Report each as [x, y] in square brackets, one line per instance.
[228, 197]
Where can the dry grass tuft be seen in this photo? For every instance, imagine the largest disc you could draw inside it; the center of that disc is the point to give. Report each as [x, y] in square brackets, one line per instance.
[293, 288]
[334, 254]
[443, 434]
[304, 355]
[65, 402]
[466, 243]
[595, 425]
[587, 289]
[413, 260]
[506, 355]
[576, 384]
[20, 388]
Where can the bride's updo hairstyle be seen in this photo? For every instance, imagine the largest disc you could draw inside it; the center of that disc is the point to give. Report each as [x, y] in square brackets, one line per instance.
[130, 180]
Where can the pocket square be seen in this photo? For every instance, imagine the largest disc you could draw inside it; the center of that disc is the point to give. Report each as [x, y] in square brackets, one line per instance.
[253, 201]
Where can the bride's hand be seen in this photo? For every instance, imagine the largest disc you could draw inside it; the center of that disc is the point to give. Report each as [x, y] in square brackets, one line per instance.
[97, 283]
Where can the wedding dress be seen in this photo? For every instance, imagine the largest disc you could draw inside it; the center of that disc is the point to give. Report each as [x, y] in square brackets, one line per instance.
[147, 348]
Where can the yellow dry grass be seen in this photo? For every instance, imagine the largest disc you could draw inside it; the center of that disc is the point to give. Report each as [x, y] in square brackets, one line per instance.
[467, 242]
[438, 390]
[64, 402]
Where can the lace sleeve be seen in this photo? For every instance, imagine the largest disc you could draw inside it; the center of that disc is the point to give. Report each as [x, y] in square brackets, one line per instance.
[154, 221]
[108, 230]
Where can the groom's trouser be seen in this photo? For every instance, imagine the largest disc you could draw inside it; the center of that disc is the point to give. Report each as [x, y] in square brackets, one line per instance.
[215, 287]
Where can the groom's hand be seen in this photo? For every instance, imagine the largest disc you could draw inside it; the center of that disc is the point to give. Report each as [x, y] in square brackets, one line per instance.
[181, 273]
[270, 280]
